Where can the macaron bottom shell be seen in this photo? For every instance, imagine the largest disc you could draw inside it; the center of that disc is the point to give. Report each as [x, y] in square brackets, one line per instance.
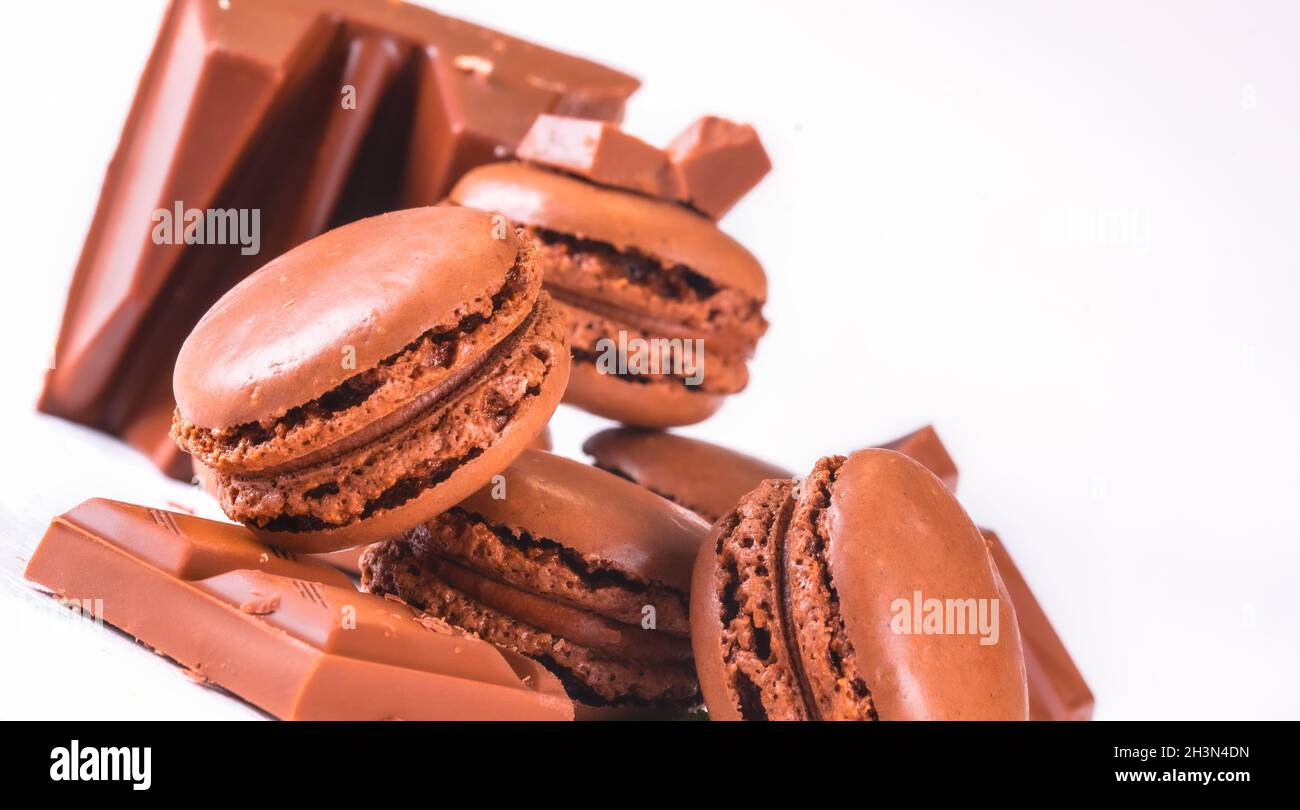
[639, 402]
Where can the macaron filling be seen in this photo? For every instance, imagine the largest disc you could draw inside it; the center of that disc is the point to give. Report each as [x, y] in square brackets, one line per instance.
[575, 625]
[785, 651]
[581, 619]
[543, 566]
[421, 452]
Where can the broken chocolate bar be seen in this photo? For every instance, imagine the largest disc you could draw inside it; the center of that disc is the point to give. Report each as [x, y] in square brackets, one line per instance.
[309, 113]
[601, 152]
[289, 635]
[718, 162]
[1057, 690]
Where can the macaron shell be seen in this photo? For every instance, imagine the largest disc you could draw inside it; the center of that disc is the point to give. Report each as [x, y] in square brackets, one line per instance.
[542, 441]
[703, 477]
[895, 529]
[925, 446]
[599, 515]
[467, 478]
[658, 404]
[363, 292]
[669, 232]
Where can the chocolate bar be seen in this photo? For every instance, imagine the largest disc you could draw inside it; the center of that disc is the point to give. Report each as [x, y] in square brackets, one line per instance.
[1057, 690]
[708, 167]
[291, 636]
[311, 113]
[718, 161]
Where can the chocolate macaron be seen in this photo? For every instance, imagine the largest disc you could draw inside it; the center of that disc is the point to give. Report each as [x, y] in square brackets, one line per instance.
[371, 377]
[565, 563]
[628, 269]
[862, 592]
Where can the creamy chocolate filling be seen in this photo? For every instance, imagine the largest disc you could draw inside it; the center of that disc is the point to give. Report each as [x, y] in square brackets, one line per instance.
[596, 676]
[465, 375]
[676, 282]
[421, 452]
[606, 290]
[642, 321]
[543, 566]
[589, 629]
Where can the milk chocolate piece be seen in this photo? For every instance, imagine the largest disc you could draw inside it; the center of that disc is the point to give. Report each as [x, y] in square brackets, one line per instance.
[602, 153]
[718, 162]
[291, 636]
[311, 113]
[1057, 690]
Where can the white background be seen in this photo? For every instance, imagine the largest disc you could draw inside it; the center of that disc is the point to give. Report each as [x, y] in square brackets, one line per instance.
[1066, 236]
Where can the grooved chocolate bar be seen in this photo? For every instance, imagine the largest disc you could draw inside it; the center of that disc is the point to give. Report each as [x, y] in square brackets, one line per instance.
[1057, 690]
[307, 113]
[291, 636]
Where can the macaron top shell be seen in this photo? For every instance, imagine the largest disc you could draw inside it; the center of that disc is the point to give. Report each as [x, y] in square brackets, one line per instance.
[663, 230]
[601, 516]
[895, 530]
[703, 477]
[335, 306]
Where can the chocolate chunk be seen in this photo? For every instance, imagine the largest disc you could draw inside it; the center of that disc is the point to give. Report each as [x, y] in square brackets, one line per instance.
[718, 161]
[602, 153]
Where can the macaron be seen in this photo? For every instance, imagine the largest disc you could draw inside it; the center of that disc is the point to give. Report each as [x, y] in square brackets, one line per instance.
[372, 377]
[863, 592]
[708, 478]
[576, 568]
[640, 281]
